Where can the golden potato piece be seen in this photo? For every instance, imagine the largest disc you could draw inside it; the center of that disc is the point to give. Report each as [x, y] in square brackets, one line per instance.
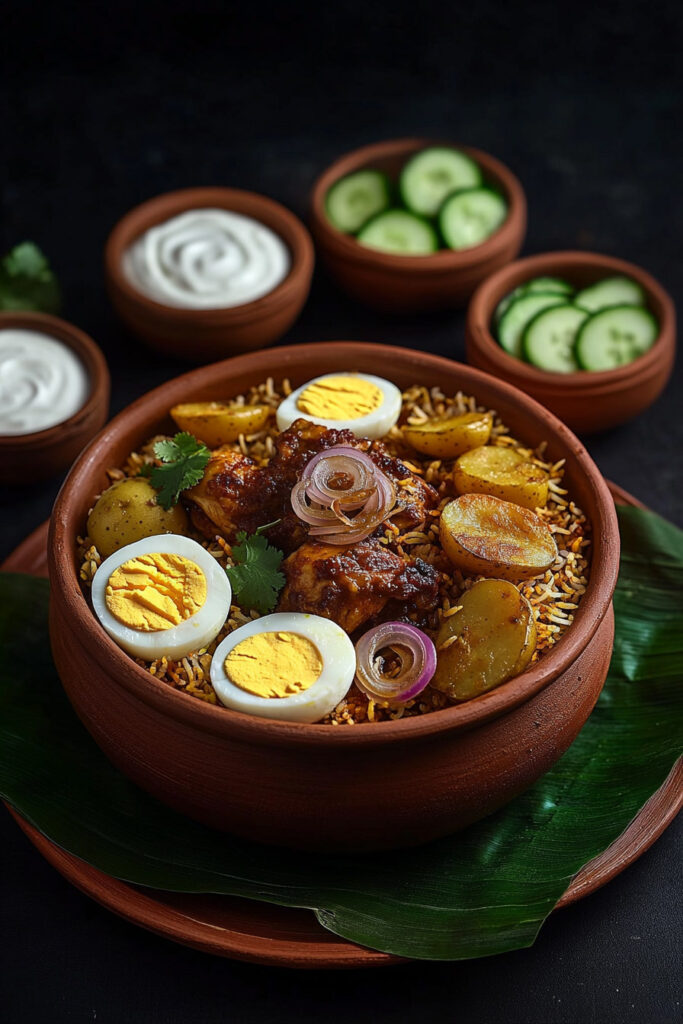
[485, 536]
[504, 473]
[216, 423]
[491, 639]
[444, 439]
[128, 511]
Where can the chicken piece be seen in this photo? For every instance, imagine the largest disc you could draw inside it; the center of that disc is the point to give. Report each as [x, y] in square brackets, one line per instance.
[414, 497]
[237, 494]
[298, 444]
[234, 494]
[302, 440]
[351, 585]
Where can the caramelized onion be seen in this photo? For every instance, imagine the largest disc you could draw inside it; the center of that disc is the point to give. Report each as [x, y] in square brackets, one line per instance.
[337, 482]
[409, 647]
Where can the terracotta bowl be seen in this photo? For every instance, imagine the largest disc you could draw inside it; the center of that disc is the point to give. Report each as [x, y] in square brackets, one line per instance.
[202, 335]
[314, 786]
[398, 284]
[587, 402]
[29, 458]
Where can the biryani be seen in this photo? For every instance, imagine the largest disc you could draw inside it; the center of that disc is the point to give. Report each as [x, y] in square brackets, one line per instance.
[342, 553]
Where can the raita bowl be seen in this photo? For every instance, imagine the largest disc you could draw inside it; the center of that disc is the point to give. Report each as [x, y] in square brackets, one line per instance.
[586, 401]
[204, 335]
[30, 458]
[409, 284]
[369, 786]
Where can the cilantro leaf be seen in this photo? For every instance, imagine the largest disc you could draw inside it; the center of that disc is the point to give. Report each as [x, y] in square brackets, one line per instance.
[184, 461]
[27, 282]
[255, 578]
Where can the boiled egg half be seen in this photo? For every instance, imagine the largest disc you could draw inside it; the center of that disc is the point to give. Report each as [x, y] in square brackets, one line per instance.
[164, 595]
[367, 405]
[289, 665]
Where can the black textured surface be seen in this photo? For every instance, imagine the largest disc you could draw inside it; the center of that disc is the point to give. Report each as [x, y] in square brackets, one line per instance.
[105, 107]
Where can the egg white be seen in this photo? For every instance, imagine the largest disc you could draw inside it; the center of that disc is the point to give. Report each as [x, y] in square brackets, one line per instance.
[190, 635]
[376, 424]
[339, 667]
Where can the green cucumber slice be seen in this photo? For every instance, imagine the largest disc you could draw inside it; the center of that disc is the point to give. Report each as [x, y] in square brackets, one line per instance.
[615, 336]
[537, 284]
[612, 291]
[506, 302]
[549, 284]
[517, 316]
[434, 173]
[399, 232]
[468, 217]
[548, 340]
[353, 200]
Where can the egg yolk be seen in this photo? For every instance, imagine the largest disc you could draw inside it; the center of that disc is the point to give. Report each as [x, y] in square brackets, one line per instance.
[340, 398]
[155, 591]
[274, 664]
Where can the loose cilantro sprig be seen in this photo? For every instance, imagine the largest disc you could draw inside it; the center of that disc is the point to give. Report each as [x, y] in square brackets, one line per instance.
[184, 461]
[27, 282]
[255, 578]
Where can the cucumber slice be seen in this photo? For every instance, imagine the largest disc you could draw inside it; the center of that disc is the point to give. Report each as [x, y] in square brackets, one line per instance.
[612, 291]
[614, 337]
[399, 232]
[548, 341]
[549, 284]
[432, 174]
[537, 284]
[468, 217]
[506, 302]
[353, 200]
[517, 316]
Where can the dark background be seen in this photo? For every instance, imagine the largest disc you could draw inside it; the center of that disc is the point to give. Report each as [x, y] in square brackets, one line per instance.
[106, 106]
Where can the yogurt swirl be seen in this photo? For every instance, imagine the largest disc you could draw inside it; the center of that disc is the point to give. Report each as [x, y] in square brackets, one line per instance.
[42, 381]
[207, 259]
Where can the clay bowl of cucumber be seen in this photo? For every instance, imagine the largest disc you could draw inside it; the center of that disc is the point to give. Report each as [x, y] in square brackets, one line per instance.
[592, 337]
[415, 224]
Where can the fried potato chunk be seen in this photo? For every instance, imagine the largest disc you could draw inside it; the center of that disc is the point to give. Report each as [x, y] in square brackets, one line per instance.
[444, 439]
[486, 536]
[216, 423]
[128, 511]
[504, 473]
[491, 639]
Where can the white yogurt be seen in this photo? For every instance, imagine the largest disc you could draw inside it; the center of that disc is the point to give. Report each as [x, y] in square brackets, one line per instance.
[207, 259]
[42, 381]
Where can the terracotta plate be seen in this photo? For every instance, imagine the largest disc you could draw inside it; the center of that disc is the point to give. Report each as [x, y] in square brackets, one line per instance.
[281, 936]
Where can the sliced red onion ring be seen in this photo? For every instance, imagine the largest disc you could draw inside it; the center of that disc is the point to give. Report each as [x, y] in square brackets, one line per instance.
[369, 493]
[417, 662]
[340, 449]
[341, 461]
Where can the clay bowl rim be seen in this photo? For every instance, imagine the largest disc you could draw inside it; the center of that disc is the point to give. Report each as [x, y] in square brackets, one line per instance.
[563, 262]
[444, 260]
[159, 208]
[234, 725]
[90, 355]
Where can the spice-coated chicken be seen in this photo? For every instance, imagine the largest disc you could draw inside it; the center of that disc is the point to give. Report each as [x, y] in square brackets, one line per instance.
[351, 585]
[229, 497]
[236, 494]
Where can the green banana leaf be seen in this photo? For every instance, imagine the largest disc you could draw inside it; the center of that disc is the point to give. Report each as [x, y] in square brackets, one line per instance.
[483, 891]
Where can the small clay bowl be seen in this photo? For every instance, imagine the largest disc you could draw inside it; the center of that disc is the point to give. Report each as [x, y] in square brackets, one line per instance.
[398, 284]
[202, 335]
[587, 402]
[385, 785]
[29, 458]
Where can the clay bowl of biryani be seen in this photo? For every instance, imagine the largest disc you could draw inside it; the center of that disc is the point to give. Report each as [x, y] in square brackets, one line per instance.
[336, 596]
